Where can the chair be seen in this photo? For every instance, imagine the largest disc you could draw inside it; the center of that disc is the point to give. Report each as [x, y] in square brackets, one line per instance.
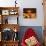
[28, 35]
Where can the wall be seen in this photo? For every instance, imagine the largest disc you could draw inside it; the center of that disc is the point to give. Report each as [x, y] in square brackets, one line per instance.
[7, 3]
[27, 4]
[31, 4]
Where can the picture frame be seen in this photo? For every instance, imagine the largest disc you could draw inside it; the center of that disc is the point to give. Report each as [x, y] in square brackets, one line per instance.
[29, 13]
[13, 12]
[5, 12]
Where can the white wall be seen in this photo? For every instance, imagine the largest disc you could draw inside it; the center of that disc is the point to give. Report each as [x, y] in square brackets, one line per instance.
[31, 4]
[27, 4]
[7, 3]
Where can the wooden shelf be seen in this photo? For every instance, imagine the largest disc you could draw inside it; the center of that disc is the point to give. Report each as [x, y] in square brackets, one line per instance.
[11, 26]
[5, 8]
[9, 43]
[4, 13]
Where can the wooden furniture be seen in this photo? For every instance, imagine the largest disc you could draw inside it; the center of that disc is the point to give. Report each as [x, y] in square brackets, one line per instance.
[0, 43]
[10, 43]
[9, 25]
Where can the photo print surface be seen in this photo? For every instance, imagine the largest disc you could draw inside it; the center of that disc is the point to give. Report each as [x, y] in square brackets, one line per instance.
[29, 13]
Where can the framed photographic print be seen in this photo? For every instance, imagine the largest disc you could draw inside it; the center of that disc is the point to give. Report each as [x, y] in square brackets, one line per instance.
[13, 12]
[29, 13]
[5, 12]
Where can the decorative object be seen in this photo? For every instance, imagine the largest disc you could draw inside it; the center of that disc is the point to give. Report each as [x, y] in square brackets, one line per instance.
[15, 37]
[13, 12]
[29, 13]
[31, 41]
[15, 3]
[15, 34]
[11, 20]
[5, 12]
[8, 15]
[7, 34]
[5, 19]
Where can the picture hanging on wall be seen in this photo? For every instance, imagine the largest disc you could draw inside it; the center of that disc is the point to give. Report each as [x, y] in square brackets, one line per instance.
[29, 13]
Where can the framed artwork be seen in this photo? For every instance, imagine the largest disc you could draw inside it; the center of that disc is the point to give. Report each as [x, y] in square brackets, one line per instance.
[13, 12]
[5, 12]
[29, 13]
